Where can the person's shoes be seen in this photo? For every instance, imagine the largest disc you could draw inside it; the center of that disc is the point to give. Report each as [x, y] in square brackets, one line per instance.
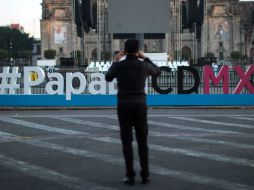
[145, 180]
[129, 181]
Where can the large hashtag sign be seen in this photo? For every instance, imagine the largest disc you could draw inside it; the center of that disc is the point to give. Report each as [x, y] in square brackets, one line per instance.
[8, 80]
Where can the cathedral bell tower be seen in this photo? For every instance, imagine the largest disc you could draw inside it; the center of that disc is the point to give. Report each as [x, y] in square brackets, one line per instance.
[57, 27]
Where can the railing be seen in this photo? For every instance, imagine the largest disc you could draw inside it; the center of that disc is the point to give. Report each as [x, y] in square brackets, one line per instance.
[165, 80]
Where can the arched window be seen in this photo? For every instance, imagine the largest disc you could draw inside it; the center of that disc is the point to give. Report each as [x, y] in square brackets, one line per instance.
[145, 48]
[252, 52]
[186, 53]
[94, 54]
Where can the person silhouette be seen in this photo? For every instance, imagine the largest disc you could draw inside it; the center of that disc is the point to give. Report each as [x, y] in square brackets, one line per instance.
[131, 74]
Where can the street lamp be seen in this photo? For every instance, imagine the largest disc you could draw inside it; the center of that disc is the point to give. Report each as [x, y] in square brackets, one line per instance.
[11, 59]
[245, 28]
[105, 14]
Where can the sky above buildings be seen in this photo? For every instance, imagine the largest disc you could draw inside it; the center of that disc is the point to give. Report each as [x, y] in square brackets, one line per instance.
[25, 12]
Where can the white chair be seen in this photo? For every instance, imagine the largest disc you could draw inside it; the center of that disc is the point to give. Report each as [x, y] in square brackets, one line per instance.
[105, 68]
[91, 65]
[97, 64]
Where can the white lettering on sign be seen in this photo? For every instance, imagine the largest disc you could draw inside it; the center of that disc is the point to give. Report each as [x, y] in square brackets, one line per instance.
[99, 83]
[69, 84]
[75, 83]
[28, 82]
[59, 83]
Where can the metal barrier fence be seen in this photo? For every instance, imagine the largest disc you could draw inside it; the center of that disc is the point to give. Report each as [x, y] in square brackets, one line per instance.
[165, 80]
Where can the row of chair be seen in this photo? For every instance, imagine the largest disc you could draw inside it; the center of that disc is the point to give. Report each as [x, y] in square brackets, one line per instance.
[104, 65]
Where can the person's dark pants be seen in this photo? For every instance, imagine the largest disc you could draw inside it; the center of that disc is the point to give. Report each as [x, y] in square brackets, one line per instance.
[134, 115]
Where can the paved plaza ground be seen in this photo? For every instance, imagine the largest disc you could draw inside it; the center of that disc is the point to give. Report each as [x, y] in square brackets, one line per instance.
[190, 149]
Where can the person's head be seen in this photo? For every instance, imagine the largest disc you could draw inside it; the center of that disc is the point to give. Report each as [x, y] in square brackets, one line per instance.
[131, 46]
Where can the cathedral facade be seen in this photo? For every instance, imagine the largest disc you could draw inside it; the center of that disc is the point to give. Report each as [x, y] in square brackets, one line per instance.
[227, 26]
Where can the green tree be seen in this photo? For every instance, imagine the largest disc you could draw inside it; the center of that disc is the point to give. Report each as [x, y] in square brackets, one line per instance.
[106, 55]
[235, 55]
[14, 41]
[50, 54]
[25, 54]
[186, 55]
[3, 54]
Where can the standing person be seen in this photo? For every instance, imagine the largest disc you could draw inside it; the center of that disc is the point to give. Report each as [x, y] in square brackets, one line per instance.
[131, 74]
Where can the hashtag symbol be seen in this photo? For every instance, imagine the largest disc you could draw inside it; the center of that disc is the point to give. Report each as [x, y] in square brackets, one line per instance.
[8, 80]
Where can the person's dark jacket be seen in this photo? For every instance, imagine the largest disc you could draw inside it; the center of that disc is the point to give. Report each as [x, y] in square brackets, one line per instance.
[131, 75]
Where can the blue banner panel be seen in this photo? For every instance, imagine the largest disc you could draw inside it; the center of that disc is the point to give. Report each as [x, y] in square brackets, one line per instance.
[57, 100]
[201, 100]
[111, 101]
